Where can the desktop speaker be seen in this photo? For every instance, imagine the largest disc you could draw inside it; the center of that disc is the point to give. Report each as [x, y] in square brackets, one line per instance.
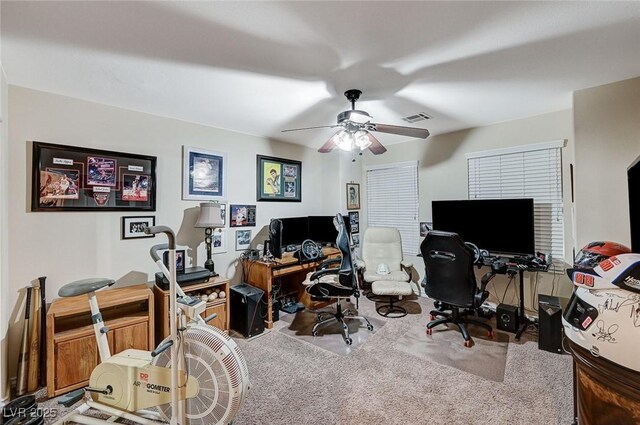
[507, 318]
[245, 303]
[549, 324]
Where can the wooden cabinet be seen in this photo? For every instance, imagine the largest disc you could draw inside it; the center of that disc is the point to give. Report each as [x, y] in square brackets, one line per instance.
[219, 305]
[72, 351]
[604, 392]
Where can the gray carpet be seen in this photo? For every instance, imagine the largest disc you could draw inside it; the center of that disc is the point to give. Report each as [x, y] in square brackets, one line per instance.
[295, 382]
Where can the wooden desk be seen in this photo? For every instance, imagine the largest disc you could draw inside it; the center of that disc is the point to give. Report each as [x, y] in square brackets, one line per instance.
[289, 273]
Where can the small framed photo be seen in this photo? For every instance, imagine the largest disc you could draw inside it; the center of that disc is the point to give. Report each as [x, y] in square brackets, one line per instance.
[219, 241]
[355, 228]
[243, 239]
[203, 174]
[133, 227]
[180, 260]
[354, 218]
[278, 179]
[355, 240]
[353, 196]
[425, 227]
[242, 215]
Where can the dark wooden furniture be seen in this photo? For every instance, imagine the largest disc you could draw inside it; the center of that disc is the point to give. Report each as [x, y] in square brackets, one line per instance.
[288, 273]
[72, 351]
[605, 393]
[220, 306]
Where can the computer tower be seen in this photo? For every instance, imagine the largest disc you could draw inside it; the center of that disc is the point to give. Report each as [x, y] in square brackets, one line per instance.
[549, 324]
[507, 317]
[245, 302]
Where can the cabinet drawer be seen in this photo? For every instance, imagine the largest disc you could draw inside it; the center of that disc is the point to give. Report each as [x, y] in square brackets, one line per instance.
[220, 321]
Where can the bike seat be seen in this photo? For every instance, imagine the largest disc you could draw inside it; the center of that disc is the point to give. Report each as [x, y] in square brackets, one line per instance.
[84, 286]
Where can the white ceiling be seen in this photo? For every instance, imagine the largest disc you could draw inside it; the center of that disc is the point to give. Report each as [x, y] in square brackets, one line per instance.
[261, 67]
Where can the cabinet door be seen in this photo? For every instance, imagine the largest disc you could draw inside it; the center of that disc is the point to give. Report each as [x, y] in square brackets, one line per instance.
[75, 359]
[134, 336]
[220, 321]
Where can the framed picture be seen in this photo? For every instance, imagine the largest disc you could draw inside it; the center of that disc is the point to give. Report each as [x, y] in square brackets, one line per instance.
[72, 178]
[355, 240]
[278, 179]
[353, 196]
[203, 174]
[354, 218]
[425, 227]
[242, 215]
[133, 227]
[355, 228]
[219, 241]
[243, 239]
[180, 260]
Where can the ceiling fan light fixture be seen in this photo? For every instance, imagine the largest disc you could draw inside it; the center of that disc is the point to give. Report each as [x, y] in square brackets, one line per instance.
[361, 140]
[344, 140]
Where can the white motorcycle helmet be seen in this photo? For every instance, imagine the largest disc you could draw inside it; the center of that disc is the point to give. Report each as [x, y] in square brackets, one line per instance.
[603, 315]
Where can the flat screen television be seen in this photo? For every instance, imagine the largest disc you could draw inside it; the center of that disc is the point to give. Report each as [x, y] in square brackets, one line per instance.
[322, 229]
[294, 230]
[503, 226]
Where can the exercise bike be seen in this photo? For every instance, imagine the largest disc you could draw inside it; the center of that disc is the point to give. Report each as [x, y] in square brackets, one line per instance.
[196, 376]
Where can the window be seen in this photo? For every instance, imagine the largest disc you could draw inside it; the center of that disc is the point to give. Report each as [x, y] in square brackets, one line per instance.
[530, 171]
[392, 201]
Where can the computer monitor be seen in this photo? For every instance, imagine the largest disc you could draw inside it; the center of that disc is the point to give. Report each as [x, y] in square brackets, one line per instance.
[275, 238]
[633, 175]
[498, 225]
[322, 229]
[294, 230]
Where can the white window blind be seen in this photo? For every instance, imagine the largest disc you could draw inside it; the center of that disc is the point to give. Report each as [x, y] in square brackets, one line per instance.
[533, 171]
[392, 201]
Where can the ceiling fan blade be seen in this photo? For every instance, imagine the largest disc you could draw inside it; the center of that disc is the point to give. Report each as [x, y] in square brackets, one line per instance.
[311, 128]
[329, 144]
[421, 133]
[376, 147]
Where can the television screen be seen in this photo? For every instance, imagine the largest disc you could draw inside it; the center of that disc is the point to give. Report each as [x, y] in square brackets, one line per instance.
[294, 230]
[497, 225]
[633, 175]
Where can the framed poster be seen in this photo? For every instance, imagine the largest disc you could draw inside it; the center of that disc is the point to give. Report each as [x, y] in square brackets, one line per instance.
[353, 196]
[72, 178]
[133, 227]
[242, 215]
[203, 174]
[243, 239]
[278, 179]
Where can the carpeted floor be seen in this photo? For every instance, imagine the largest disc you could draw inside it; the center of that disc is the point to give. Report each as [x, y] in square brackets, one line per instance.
[385, 381]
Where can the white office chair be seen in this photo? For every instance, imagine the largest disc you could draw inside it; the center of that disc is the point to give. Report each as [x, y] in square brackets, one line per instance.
[384, 269]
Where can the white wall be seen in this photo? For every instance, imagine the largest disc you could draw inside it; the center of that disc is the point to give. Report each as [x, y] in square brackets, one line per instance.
[65, 246]
[607, 131]
[443, 175]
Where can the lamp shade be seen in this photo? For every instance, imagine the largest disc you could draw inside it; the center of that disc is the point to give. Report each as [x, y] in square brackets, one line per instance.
[209, 215]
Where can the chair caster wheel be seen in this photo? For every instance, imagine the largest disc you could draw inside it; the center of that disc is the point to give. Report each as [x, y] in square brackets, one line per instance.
[429, 331]
[432, 317]
[370, 327]
[314, 333]
[349, 341]
[490, 334]
[467, 343]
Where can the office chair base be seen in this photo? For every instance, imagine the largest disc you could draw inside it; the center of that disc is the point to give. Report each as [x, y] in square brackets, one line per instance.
[459, 319]
[340, 317]
[391, 311]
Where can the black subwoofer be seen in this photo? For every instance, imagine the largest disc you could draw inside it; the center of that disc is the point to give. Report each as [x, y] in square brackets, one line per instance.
[507, 318]
[549, 324]
[245, 303]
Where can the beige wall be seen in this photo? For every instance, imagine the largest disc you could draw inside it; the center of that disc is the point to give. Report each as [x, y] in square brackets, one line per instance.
[66, 246]
[607, 132]
[443, 175]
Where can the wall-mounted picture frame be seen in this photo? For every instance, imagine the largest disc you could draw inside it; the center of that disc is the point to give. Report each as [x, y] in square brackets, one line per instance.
[73, 178]
[425, 227]
[243, 239]
[180, 260]
[353, 196]
[278, 179]
[355, 240]
[133, 226]
[242, 215]
[219, 241]
[354, 218]
[203, 174]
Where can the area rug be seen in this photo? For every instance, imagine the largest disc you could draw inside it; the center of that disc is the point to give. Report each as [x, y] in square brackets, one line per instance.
[330, 338]
[486, 358]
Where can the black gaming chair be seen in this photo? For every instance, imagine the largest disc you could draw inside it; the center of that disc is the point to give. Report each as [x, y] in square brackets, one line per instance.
[450, 280]
[336, 283]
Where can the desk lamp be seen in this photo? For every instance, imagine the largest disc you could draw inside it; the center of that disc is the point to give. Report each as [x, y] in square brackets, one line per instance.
[209, 219]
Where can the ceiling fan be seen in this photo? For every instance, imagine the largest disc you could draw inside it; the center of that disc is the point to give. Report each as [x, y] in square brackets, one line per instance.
[357, 127]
